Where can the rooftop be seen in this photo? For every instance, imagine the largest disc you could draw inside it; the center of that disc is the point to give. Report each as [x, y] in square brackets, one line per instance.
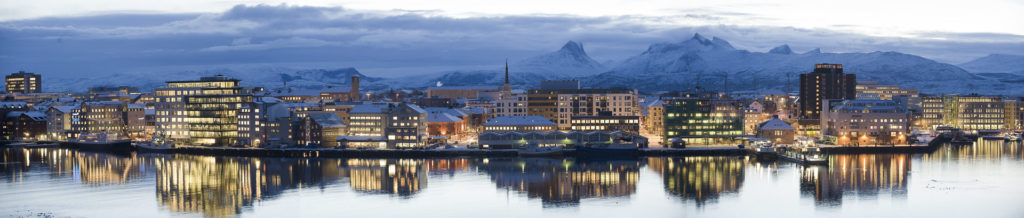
[519, 121]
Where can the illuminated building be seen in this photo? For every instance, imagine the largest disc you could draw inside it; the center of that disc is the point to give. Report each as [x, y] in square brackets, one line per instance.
[403, 126]
[107, 117]
[24, 125]
[865, 122]
[320, 129]
[753, 115]
[701, 119]
[265, 122]
[519, 123]
[22, 82]
[58, 122]
[970, 112]
[561, 105]
[605, 121]
[200, 112]
[871, 90]
[653, 116]
[520, 139]
[827, 81]
[776, 131]
[446, 123]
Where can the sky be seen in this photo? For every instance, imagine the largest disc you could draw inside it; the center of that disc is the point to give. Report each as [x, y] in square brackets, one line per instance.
[408, 37]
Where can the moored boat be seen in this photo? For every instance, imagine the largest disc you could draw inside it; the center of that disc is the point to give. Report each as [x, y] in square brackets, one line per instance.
[541, 151]
[101, 143]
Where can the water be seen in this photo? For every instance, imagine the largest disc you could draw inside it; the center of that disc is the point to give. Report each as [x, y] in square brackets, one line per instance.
[983, 180]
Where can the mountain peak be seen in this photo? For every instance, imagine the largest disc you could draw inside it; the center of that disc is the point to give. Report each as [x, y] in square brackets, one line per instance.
[782, 49]
[721, 43]
[700, 38]
[573, 47]
[814, 51]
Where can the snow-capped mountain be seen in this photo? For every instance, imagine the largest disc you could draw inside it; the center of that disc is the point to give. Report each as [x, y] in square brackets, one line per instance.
[570, 61]
[996, 63]
[677, 66]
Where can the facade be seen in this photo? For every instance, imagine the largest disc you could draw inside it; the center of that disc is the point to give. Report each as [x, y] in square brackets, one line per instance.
[827, 81]
[320, 130]
[753, 115]
[407, 126]
[520, 139]
[519, 124]
[368, 120]
[605, 121]
[22, 82]
[871, 90]
[100, 117]
[561, 105]
[265, 122]
[865, 122]
[58, 122]
[200, 112]
[970, 112]
[24, 125]
[350, 93]
[776, 131]
[445, 123]
[703, 120]
[653, 116]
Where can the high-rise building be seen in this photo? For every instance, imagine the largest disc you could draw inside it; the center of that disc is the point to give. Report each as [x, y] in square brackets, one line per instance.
[826, 82]
[200, 112]
[22, 82]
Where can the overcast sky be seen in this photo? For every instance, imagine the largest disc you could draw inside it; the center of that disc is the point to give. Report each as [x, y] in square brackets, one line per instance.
[386, 38]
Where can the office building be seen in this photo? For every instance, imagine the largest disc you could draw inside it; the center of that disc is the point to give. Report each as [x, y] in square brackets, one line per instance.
[200, 112]
[827, 81]
[865, 122]
[22, 82]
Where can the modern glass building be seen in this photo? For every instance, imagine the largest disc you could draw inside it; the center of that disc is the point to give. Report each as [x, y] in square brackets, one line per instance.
[703, 120]
[200, 112]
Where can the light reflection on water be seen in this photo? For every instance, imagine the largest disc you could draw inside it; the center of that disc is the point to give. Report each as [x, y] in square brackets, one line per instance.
[63, 181]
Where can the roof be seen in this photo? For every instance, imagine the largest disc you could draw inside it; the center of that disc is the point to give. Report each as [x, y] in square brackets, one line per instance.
[34, 115]
[327, 120]
[361, 138]
[775, 124]
[6, 104]
[519, 121]
[416, 108]
[368, 109]
[442, 117]
[452, 111]
[64, 109]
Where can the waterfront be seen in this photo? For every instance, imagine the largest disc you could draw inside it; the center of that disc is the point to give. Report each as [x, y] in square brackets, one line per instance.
[954, 181]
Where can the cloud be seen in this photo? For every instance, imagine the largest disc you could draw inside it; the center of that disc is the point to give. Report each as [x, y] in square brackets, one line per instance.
[389, 43]
[243, 44]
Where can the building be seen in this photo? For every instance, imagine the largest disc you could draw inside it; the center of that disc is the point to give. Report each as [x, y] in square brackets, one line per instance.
[100, 117]
[350, 94]
[865, 122]
[58, 122]
[444, 124]
[320, 130]
[827, 81]
[266, 122]
[871, 90]
[702, 119]
[520, 139]
[135, 123]
[201, 112]
[776, 131]
[753, 115]
[653, 116]
[24, 125]
[22, 82]
[969, 113]
[455, 92]
[606, 121]
[407, 126]
[561, 105]
[519, 124]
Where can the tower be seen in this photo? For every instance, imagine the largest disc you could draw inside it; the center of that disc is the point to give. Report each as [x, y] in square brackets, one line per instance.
[506, 88]
[354, 93]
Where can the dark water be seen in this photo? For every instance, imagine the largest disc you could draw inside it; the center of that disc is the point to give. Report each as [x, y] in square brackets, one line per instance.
[983, 180]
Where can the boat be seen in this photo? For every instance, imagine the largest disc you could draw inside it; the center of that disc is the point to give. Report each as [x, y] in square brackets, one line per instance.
[608, 150]
[31, 145]
[101, 143]
[535, 151]
[765, 153]
[151, 147]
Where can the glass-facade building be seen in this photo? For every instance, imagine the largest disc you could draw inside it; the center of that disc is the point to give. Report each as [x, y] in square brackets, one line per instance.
[703, 121]
[200, 112]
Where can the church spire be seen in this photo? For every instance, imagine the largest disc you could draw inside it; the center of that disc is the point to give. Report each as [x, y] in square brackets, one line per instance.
[506, 70]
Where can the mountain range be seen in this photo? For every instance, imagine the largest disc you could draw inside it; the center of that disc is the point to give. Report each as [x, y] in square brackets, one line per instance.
[712, 64]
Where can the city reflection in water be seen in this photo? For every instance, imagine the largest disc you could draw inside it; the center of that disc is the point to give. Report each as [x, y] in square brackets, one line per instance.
[700, 178]
[88, 167]
[214, 186]
[855, 174]
[564, 182]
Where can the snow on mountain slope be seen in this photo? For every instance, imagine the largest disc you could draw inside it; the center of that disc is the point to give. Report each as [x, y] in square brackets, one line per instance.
[570, 61]
[996, 63]
[677, 66]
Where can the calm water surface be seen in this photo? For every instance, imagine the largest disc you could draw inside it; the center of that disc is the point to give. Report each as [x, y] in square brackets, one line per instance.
[983, 180]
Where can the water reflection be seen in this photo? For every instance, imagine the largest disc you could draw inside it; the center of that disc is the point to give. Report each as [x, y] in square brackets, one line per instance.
[564, 182]
[227, 186]
[700, 178]
[88, 167]
[855, 174]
